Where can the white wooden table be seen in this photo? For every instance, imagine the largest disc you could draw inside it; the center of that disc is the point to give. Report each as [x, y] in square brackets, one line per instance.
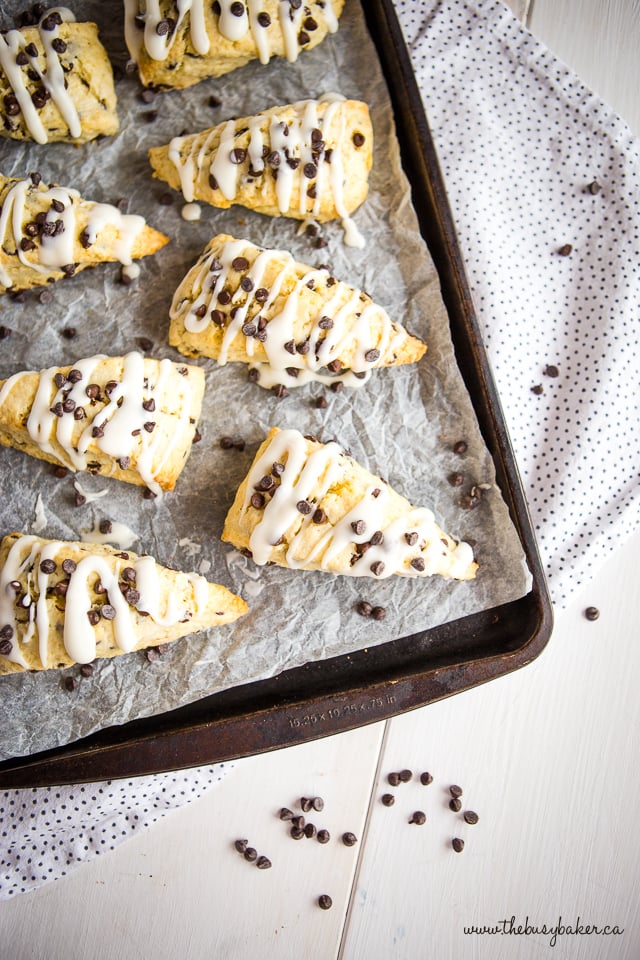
[546, 757]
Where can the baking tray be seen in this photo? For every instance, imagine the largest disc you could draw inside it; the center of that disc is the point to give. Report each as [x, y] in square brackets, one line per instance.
[330, 696]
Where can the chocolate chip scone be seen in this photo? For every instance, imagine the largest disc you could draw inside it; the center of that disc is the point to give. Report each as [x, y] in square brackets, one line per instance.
[56, 82]
[306, 160]
[309, 506]
[65, 602]
[131, 417]
[49, 232]
[177, 44]
[290, 322]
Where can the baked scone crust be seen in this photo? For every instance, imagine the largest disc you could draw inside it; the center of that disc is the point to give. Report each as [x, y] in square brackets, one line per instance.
[306, 160]
[133, 418]
[241, 302]
[309, 506]
[56, 96]
[65, 602]
[49, 232]
[208, 41]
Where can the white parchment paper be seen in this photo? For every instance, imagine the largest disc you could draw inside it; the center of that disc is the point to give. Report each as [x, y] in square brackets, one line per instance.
[402, 424]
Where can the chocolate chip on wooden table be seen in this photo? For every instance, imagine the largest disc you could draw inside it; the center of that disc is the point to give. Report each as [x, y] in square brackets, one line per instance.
[323, 836]
[426, 778]
[455, 804]
[393, 779]
[455, 790]
[458, 844]
[418, 817]
[592, 613]
[470, 816]
[388, 799]
[349, 839]
[325, 902]
[263, 863]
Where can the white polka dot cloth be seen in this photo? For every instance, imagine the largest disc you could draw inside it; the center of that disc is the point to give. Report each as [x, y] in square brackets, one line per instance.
[554, 266]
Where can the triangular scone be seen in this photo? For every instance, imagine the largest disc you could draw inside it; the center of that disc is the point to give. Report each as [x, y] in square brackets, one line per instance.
[292, 323]
[64, 602]
[48, 232]
[309, 506]
[182, 43]
[131, 417]
[56, 82]
[309, 159]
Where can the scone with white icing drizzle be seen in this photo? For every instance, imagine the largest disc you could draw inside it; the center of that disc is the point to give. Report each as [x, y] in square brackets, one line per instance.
[306, 160]
[177, 44]
[49, 232]
[309, 506]
[65, 602]
[290, 322]
[56, 82]
[133, 418]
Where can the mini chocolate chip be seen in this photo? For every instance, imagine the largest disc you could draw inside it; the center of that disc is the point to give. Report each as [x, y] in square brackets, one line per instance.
[251, 854]
[378, 613]
[297, 833]
[418, 564]
[285, 813]
[377, 538]
[5, 646]
[303, 38]
[163, 27]
[537, 389]
[71, 684]
[48, 566]
[86, 669]
[246, 284]
[551, 371]
[107, 611]
[388, 799]
[249, 328]
[460, 447]
[372, 355]
[418, 817]
[455, 804]
[324, 901]
[310, 170]
[263, 863]
[426, 779]
[594, 187]
[257, 501]
[321, 403]
[470, 816]
[310, 831]
[455, 790]
[358, 527]
[358, 139]
[565, 250]
[149, 426]
[405, 776]
[93, 617]
[592, 613]
[238, 155]
[304, 507]
[393, 779]
[349, 839]
[68, 565]
[264, 19]
[457, 844]
[323, 836]
[319, 516]
[241, 845]
[280, 391]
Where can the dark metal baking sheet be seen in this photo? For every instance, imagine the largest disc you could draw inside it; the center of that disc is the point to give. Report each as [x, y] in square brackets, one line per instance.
[330, 696]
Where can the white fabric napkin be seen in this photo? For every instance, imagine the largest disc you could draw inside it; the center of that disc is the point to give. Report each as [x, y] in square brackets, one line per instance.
[520, 139]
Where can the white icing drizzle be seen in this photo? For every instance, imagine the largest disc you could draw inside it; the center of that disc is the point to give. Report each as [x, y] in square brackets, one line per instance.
[194, 306]
[89, 496]
[191, 211]
[52, 77]
[149, 29]
[25, 562]
[413, 536]
[119, 534]
[56, 243]
[118, 428]
[292, 143]
[40, 519]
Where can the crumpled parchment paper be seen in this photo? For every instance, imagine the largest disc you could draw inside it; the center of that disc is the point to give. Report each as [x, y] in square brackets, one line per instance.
[402, 424]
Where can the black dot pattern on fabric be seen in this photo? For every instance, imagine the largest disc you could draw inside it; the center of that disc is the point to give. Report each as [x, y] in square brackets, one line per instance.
[46, 831]
[553, 264]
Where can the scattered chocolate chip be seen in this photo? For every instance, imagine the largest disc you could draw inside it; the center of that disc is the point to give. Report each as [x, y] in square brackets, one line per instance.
[377, 568]
[455, 804]
[388, 799]
[349, 839]
[68, 565]
[455, 790]
[241, 845]
[324, 901]
[318, 804]
[297, 833]
[263, 863]
[537, 389]
[108, 612]
[257, 501]
[418, 817]
[298, 821]
[393, 779]
[565, 250]
[71, 684]
[372, 355]
[426, 779]
[105, 526]
[594, 187]
[418, 564]
[551, 371]
[251, 854]
[310, 831]
[460, 447]
[457, 844]
[592, 613]
[405, 776]
[48, 566]
[456, 479]
[470, 816]
[86, 669]
[323, 836]
[238, 155]
[378, 613]
[286, 814]
[304, 507]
